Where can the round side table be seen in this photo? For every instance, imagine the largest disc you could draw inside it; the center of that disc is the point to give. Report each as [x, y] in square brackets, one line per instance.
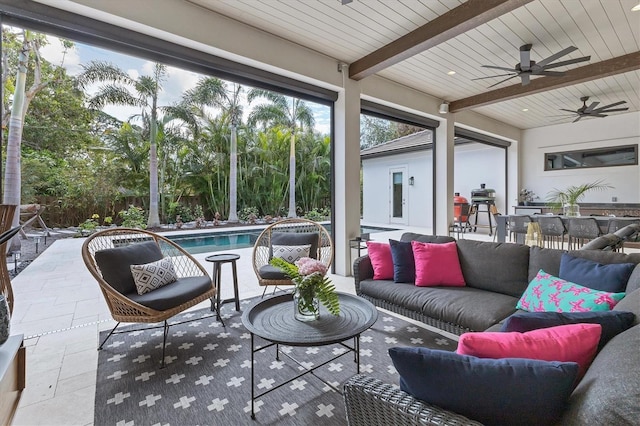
[218, 260]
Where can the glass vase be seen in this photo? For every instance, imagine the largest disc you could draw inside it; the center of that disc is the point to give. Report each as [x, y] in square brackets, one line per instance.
[572, 210]
[306, 306]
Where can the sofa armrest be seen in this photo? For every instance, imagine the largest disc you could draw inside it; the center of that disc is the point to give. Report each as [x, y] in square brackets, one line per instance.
[362, 270]
[371, 402]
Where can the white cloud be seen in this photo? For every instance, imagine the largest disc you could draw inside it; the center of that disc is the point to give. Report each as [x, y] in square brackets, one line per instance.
[54, 53]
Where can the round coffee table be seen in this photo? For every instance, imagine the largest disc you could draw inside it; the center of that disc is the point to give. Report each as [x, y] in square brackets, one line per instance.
[272, 319]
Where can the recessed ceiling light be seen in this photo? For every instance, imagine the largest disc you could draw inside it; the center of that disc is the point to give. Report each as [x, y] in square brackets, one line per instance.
[451, 72]
[635, 8]
[525, 109]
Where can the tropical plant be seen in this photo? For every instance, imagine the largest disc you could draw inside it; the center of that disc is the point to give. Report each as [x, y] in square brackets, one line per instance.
[133, 217]
[117, 91]
[291, 113]
[310, 280]
[573, 194]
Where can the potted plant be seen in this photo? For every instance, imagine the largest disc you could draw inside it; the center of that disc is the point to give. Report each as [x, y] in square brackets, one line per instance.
[568, 199]
[527, 196]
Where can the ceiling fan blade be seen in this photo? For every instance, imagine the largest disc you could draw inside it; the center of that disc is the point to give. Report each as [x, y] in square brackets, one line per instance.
[568, 110]
[526, 79]
[591, 107]
[525, 57]
[549, 73]
[498, 68]
[493, 76]
[579, 117]
[509, 78]
[569, 62]
[611, 110]
[612, 105]
[555, 56]
[597, 115]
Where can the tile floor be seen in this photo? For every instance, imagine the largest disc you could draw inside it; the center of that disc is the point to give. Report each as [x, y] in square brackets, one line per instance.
[60, 311]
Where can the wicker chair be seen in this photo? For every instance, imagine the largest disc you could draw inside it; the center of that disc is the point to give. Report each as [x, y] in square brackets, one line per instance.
[118, 249]
[461, 222]
[6, 217]
[553, 231]
[582, 230]
[289, 232]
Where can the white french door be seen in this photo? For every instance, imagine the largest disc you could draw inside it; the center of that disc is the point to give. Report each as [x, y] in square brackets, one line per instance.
[398, 195]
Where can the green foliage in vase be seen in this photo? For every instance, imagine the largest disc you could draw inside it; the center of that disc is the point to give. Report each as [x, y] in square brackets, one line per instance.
[307, 285]
[571, 195]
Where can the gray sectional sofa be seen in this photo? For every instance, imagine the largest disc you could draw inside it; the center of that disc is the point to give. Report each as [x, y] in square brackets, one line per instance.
[496, 275]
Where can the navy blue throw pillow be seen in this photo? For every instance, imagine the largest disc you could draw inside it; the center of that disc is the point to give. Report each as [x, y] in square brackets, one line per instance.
[612, 322]
[404, 268]
[507, 391]
[611, 277]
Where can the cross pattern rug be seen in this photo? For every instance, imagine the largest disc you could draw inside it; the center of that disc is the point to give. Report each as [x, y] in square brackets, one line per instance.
[207, 378]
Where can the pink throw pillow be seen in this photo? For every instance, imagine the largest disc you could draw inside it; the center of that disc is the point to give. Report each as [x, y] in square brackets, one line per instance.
[381, 260]
[437, 264]
[564, 343]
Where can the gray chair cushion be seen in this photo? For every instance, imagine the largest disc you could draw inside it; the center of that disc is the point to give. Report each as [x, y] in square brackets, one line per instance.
[296, 239]
[483, 266]
[114, 264]
[465, 306]
[609, 392]
[269, 272]
[174, 294]
[439, 239]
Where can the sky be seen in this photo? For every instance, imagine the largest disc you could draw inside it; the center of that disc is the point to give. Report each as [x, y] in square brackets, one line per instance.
[177, 82]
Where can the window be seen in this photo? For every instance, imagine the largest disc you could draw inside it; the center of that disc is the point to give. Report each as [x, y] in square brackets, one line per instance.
[626, 155]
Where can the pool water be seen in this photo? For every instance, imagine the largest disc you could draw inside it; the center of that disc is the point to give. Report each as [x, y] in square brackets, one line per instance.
[230, 240]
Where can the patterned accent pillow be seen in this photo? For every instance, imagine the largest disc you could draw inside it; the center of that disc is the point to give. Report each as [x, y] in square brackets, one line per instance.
[547, 293]
[154, 275]
[291, 253]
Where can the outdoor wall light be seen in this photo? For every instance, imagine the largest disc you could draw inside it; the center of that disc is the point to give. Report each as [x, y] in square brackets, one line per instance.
[411, 181]
[444, 108]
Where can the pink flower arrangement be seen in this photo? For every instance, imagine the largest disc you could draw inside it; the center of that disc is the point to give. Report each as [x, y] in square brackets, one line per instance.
[307, 266]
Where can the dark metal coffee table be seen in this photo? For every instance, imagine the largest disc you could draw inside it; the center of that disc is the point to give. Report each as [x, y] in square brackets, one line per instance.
[272, 319]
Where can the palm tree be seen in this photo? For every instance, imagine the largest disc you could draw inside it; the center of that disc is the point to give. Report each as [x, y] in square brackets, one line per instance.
[291, 113]
[213, 92]
[116, 91]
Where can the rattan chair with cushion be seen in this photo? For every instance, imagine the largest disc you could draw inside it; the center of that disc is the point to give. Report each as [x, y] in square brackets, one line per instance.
[291, 238]
[553, 231]
[6, 234]
[158, 292]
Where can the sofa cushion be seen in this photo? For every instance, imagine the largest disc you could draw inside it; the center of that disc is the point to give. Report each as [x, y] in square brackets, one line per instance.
[404, 268]
[630, 303]
[297, 239]
[174, 294]
[572, 342]
[545, 259]
[437, 264]
[464, 306]
[612, 322]
[380, 255]
[493, 391]
[610, 277]
[609, 393]
[547, 293]
[484, 266]
[114, 264]
[634, 280]
[438, 239]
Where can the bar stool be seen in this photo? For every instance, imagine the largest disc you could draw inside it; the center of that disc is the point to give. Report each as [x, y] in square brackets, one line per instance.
[553, 231]
[218, 260]
[582, 230]
[518, 225]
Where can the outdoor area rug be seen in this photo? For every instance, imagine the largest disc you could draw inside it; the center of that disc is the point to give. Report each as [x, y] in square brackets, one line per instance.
[207, 378]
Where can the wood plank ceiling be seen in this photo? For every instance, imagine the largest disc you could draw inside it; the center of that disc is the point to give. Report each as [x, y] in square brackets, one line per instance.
[603, 29]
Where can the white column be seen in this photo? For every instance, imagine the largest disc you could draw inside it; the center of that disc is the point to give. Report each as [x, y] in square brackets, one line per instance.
[444, 153]
[347, 172]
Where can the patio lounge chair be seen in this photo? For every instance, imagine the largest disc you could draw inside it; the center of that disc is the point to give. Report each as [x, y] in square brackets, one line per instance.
[293, 233]
[109, 255]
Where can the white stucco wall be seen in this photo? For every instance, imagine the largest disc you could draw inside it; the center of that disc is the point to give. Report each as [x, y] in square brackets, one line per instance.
[376, 190]
[623, 129]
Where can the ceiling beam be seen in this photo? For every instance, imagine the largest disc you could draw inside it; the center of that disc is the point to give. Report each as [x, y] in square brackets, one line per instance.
[613, 66]
[445, 27]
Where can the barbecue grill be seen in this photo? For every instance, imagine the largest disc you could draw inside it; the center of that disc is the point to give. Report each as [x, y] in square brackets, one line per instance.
[483, 196]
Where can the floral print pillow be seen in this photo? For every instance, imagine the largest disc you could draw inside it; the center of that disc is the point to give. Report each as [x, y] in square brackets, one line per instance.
[547, 293]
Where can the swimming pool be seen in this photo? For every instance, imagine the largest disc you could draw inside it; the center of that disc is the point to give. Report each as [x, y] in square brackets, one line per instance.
[236, 239]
